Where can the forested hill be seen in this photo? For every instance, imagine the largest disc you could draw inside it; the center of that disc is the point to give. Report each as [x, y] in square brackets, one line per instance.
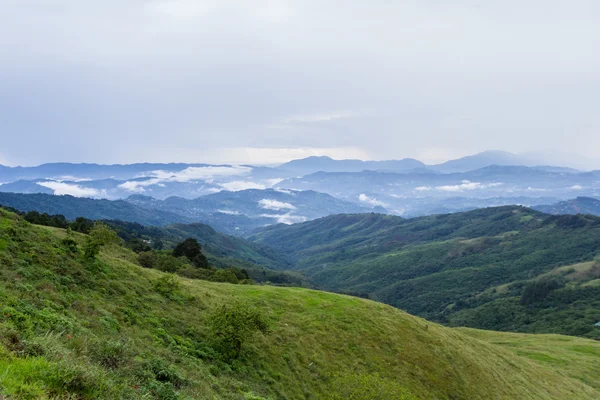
[73, 207]
[505, 268]
[76, 324]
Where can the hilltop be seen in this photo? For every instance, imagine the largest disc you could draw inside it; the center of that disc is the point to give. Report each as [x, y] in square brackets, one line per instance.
[579, 205]
[506, 268]
[108, 328]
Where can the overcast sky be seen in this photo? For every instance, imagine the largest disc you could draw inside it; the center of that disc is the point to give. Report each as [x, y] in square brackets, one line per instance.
[266, 81]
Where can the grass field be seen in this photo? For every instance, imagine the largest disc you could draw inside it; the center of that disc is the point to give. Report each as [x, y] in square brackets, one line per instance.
[72, 328]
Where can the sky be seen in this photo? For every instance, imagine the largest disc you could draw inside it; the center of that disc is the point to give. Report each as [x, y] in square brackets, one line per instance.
[265, 81]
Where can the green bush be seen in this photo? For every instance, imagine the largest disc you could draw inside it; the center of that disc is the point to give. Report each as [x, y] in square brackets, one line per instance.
[231, 325]
[167, 285]
[110, 354]
[147, 259]
[225, 275]
[70, 243]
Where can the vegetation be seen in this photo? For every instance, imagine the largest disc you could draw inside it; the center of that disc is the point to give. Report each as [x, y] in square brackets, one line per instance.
[107, 328]
[221, 252]
[505, 268]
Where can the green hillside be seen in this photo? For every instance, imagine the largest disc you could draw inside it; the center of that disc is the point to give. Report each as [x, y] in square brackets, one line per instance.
[505, 268]
[105, 328]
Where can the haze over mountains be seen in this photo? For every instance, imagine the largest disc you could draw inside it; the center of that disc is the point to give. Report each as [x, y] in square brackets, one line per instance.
[238, 199]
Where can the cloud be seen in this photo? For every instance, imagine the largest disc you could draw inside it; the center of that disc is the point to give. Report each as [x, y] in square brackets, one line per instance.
[229, 212]
[467, 185]
[275, 205]
[191, 174]
[71, 93]
[285, 191]
[236, 186]
[577, 187]
[139, 186]
[363, 198]
[200, 173]
[61, 188]
[423, 188]
[273, 182]
[287, 219]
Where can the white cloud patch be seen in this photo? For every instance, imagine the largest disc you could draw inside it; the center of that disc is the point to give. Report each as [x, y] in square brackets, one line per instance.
[139, 186]
[372, 201]
[229, 212]
[61, 188]
[191, 174]
[236, 186]
[286, 191]
[272, 182]
[467, 185]
[275, 205]
[287, 218]
[423, 188]
[200, 173]
[577, 187]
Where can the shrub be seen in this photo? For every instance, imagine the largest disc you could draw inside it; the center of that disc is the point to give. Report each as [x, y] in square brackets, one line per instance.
[225, 275]
[70, 243]
[167, 285]
[232, 325]
[168, 263]
[110, 354]
[147, 259]
[91, 248]
[165, 373]
[103, 235]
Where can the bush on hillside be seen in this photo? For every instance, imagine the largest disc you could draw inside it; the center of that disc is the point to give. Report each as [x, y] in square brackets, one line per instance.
[167, 285]
[147, 259]
[232, 325]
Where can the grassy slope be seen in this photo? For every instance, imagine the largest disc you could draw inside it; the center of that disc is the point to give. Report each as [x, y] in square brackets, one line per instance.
[445, 267]
[316, 338]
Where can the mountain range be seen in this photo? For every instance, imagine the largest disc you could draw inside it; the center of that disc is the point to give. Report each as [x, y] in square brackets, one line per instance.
[238, 199]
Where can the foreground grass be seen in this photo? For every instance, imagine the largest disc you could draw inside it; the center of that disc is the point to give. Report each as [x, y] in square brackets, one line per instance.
[71, 328]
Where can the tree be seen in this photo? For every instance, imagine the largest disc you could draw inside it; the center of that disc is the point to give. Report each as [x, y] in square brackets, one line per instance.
[538, 290]
[189, 248]
[200, 261]
[147, 259]
[100, 235]
[82, 225]
[232, 325]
